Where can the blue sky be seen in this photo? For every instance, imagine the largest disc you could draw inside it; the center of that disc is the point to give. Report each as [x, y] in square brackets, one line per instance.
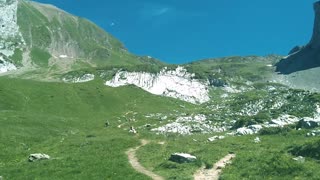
[178, 31]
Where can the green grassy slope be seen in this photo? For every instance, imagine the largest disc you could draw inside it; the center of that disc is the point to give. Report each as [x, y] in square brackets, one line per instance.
[50, 32]
[66, 121]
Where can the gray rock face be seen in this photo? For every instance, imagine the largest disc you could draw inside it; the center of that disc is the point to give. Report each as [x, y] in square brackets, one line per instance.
[38, 157]
[306, 57]
[295, 49]
[315, 40]
[182, 158]
[308, 123]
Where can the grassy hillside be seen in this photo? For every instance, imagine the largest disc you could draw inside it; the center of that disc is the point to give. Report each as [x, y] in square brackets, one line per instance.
[57, 41]
[67, 122]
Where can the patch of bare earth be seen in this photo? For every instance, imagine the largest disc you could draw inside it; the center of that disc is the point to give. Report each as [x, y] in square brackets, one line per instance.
[134, 161]
[214, 173]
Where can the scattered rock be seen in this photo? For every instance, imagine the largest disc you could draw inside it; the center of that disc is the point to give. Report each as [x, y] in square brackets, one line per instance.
[164, 118]
[38, 156]
[257, 140]
[215, 138]
[147, 125]
[299, 159]
[132, 130]
[314, 133]
[177, 83]
[182, 158]
[308, 123]
[244, 131]
[186, 125]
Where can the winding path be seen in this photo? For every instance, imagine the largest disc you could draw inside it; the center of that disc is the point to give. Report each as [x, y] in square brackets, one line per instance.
[133, 160]
[213, 173]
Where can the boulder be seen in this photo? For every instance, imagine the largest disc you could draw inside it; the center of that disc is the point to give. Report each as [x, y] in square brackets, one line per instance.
[38, 156]
[182, 158]
[313, 133]
[215, 138]
[257, 140]
[244, 131]
[308, 123]
[255, 128]
[132, 130]
[299, 159]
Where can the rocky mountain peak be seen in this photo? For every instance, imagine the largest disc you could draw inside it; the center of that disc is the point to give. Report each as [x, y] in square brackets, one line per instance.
[305, 57]
[315, 40]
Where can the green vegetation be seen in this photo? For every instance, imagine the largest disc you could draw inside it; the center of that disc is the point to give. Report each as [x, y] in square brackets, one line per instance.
[68, 121]
[40, 57]
[308, 149]
[17, 57]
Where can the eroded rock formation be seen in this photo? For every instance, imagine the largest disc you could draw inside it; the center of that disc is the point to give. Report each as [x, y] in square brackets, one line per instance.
[177, 83]
[305, 57]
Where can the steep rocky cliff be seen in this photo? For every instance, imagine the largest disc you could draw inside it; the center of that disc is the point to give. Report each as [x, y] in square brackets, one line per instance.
[305, 57]
[176, 83]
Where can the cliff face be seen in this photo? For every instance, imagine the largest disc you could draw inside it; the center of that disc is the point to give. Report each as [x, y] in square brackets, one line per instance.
[306, 57]
[177, 83]
[315, 40]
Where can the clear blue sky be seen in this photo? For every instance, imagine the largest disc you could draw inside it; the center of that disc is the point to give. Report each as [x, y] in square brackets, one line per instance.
[180, 31]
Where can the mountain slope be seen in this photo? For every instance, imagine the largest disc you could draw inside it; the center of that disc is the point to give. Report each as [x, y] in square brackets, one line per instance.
[43, 36]
[300, 68]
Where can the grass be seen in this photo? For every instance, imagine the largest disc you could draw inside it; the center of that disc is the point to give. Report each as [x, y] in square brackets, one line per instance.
[58, 119]
[88, 43]
[67, 122]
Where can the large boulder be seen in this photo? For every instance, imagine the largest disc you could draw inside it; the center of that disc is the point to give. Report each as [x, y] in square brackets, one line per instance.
[308, 123]
[38, 156]
[182, 158]
[244, 131]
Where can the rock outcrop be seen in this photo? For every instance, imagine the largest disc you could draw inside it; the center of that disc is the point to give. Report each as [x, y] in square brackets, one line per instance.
[79, 79]
[306, 57]
[10, 37]
[176, 83]
[38, 156]
[182, 158]
[6, 66]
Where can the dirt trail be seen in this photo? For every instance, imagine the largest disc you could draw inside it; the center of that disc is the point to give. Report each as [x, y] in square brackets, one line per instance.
[213, 174]
[137, 166]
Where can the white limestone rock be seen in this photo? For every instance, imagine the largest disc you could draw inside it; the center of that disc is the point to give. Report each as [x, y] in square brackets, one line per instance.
[188, 125]
[182, 158]
[299, 159]
[244, 131]
[6, 66]
[282, 121]
[257, 140]
[176, 83]
[81, 79]
[10, 35]
[313, 133]
[211, 139]
[38, 156]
